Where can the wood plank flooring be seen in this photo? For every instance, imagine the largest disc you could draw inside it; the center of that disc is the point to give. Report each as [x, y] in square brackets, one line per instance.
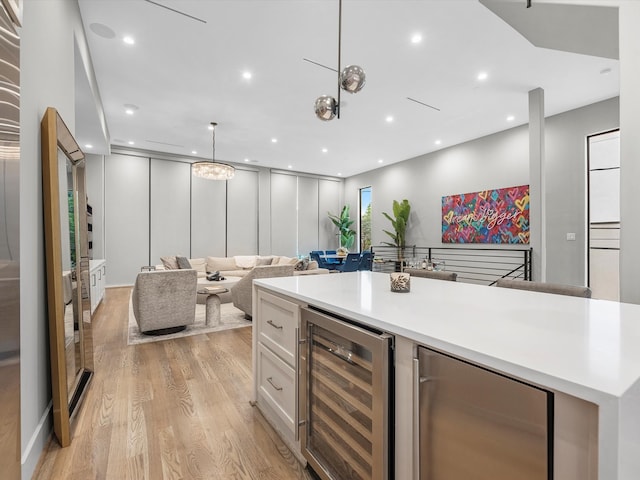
[175, 409]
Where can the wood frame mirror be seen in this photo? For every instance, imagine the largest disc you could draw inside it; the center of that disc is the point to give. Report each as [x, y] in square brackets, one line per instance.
[67, 260]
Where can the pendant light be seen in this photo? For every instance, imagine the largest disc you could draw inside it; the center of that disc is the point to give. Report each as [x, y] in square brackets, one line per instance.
[213, 170]
[351, 79]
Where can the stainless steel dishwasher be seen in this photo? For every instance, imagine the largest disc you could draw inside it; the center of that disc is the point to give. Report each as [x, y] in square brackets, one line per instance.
[346, 399]
[481, 425]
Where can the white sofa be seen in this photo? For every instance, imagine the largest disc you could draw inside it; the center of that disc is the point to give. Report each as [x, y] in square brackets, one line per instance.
[241, 265]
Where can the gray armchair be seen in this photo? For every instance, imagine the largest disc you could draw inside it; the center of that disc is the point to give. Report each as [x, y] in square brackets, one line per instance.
[242, 292]
[164, 301]
[438, 275]
[557, 288]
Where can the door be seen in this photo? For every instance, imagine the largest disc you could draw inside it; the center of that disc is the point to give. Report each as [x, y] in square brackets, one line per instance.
[604, 215]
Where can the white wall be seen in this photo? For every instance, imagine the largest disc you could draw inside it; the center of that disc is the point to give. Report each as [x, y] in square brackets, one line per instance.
[494, 161]
[49, 31]
[252, 213]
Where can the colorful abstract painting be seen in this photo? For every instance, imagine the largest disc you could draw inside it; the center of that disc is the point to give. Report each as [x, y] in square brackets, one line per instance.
[490, 216]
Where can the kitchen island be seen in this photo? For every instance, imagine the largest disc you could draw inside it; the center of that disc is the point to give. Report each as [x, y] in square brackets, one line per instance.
[587, 352]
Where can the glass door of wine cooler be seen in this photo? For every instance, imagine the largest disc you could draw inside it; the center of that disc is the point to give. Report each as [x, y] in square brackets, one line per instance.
[346, 397]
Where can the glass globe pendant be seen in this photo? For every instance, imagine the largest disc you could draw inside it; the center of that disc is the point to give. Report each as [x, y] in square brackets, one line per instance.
[350, 79]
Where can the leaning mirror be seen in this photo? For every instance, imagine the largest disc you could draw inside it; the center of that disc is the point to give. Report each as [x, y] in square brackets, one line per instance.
[67, 255]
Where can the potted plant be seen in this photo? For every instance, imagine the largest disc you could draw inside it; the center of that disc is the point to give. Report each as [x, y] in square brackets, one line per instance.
[401, 211]
[343, 223]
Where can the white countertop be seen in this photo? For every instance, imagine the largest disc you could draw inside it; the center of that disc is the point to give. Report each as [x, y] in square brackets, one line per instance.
[587, 348]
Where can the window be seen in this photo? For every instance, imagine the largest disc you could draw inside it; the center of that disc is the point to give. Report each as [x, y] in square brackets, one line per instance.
[365, 219]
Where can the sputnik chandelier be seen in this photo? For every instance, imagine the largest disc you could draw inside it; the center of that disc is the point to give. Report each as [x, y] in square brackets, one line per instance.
[351, 79]
[213, 170]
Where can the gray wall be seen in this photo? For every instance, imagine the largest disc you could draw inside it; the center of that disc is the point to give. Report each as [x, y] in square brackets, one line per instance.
[565, 178]
[494, 161]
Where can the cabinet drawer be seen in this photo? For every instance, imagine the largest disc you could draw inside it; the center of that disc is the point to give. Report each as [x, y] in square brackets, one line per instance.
[278, 322]
[277, 387]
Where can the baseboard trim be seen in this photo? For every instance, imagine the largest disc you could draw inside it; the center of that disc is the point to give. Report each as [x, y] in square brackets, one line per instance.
[37, 443]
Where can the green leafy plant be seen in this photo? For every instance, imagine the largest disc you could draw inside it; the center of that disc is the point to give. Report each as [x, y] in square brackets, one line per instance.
[401, 211]
[343, 223]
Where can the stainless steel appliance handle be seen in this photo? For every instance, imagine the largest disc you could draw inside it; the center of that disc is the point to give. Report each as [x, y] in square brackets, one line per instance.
[416, 418]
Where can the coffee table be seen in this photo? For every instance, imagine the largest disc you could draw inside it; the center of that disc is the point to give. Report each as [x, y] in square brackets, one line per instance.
[227, 283]
[212, 302]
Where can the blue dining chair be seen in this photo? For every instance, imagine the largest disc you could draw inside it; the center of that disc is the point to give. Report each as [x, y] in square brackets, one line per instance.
[366, 260]
[351, 263]
[322, 263]
[332, 261]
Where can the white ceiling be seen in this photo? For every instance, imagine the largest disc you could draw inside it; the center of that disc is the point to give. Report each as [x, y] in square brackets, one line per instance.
[183, 74]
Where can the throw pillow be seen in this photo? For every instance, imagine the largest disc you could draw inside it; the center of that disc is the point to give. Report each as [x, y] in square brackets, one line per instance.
[280, 261]
[263, 261]
[170, 263]
[221, 264]
[183, 263]
[245, 262]
[198, 264]
[301, 264]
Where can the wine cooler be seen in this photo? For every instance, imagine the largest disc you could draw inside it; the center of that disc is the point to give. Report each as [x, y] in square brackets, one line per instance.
[345, 398]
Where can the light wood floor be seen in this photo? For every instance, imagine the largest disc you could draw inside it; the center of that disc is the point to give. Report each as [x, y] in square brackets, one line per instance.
[175, 409]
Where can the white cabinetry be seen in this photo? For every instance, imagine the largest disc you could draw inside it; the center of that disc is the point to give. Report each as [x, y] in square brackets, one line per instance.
[97, 281]
[275, 333]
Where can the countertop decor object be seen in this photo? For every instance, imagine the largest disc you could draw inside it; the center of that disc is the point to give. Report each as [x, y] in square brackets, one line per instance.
[213, 170]
[400, 282]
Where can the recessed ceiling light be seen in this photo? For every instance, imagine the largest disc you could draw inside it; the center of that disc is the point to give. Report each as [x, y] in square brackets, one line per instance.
[274, 140]
[483, 76]
[131, 142]
[193, 152]
[130, 108]
[102, 30]
[246, 159]
[510, 118]
[88, 145]
[324, 150]
[246, 75]
[389, 119]
[339, 174]
[290, 167]
[129, 40]
[380, 161]
[438, 142]
[416, 38]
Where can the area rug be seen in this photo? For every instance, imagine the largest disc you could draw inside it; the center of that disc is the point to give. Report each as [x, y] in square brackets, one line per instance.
[230, 317]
